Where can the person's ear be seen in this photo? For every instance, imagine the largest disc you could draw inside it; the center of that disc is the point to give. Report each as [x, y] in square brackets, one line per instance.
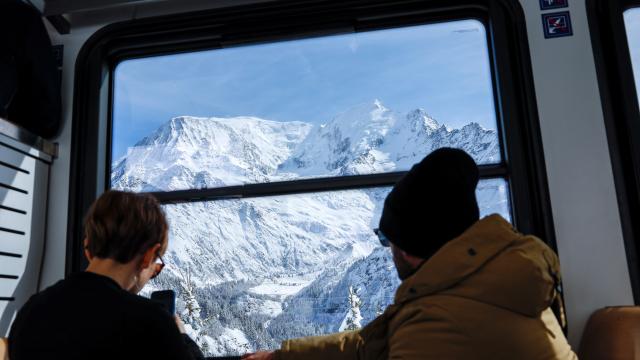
[410, 259]
[150, 255]
[87, 254]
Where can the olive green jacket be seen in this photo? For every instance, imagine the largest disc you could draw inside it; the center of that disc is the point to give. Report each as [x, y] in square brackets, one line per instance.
[484, 295]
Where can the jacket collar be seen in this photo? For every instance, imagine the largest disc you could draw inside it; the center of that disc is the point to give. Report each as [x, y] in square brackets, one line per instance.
[459, 258]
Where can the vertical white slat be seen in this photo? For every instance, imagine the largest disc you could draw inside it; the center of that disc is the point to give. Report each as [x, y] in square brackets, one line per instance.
[16, 159]
[14, 221]
[33, 178]
[14, 199]
[11, 266]
[15, 179]
[13, 243]
[7, 286]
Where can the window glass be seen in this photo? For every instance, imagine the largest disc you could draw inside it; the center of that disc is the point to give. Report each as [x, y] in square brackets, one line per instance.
[632, 23]
[253, 272]
[363, 103]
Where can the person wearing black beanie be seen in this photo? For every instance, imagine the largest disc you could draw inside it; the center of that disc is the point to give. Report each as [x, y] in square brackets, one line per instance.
[471, 288]
[433, 203]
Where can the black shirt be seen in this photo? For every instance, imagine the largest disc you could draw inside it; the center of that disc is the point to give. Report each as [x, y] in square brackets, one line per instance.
[89, 316]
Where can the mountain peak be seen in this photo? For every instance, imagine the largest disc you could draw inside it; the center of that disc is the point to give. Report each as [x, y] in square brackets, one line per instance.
[361, 116]
[378, 105]
[419, 118]
[167, 132]
[178, 120]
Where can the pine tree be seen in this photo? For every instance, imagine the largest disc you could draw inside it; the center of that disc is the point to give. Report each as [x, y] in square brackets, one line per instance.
[192, 308]
[353, 319]
[379, 310]
[204, 347]
[191, 313]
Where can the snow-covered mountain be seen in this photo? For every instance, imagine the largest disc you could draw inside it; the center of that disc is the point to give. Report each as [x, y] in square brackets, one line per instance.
[190, 152]
[370, 138]
[270, 268]
[324, 303]
[269, 237]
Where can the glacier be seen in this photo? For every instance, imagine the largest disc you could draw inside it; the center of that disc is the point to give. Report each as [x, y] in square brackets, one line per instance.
[271, 268]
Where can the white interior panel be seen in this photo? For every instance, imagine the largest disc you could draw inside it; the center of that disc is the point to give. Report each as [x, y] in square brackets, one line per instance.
[583, 195]
[7, 286]
[14, 221]
[30, 245]
[14, 199]
[17, 159]
[11, 266]
[16, 179]
[13, 243]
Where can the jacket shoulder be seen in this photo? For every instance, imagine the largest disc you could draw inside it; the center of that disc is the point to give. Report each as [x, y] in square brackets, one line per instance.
[424, 329]
[454, 327]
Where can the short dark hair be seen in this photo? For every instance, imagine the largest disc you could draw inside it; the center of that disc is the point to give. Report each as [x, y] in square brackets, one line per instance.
[121, 225]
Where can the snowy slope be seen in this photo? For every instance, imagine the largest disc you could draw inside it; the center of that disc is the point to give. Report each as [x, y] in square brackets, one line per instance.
[370, 138]
[325, 301]
[267, 238]
[189, 152]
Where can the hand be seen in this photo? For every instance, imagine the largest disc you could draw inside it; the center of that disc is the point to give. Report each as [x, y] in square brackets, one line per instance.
[180, 324]
[260, 355]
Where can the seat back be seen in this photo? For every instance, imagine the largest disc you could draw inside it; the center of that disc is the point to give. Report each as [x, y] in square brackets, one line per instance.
[612, 333]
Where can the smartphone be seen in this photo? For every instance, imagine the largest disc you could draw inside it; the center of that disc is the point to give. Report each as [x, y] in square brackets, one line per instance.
[166, 298]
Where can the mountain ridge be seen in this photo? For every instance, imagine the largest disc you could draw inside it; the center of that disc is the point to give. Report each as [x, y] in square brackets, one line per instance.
[196, 152]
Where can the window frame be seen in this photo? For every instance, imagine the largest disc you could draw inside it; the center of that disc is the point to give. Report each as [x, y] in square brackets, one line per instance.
[522, 158]
[621, 111]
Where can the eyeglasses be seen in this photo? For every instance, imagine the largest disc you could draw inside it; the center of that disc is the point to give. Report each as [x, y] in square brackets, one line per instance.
[159, 267]
[384, 240]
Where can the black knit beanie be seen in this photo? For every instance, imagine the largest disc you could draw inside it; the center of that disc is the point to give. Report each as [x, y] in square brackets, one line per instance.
[433, 203]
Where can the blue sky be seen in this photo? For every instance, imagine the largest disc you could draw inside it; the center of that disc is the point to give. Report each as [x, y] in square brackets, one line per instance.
[443, 68]
[632, 22]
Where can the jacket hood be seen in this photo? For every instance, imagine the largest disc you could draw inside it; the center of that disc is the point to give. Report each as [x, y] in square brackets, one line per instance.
[493, 264]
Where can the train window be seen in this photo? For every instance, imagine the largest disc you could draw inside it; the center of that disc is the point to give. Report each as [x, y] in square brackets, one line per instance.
[272, 133]
[342, 105]
[336, 106]
[632, 24]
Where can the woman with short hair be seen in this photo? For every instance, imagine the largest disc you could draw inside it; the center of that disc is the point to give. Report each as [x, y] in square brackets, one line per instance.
[96, 314]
